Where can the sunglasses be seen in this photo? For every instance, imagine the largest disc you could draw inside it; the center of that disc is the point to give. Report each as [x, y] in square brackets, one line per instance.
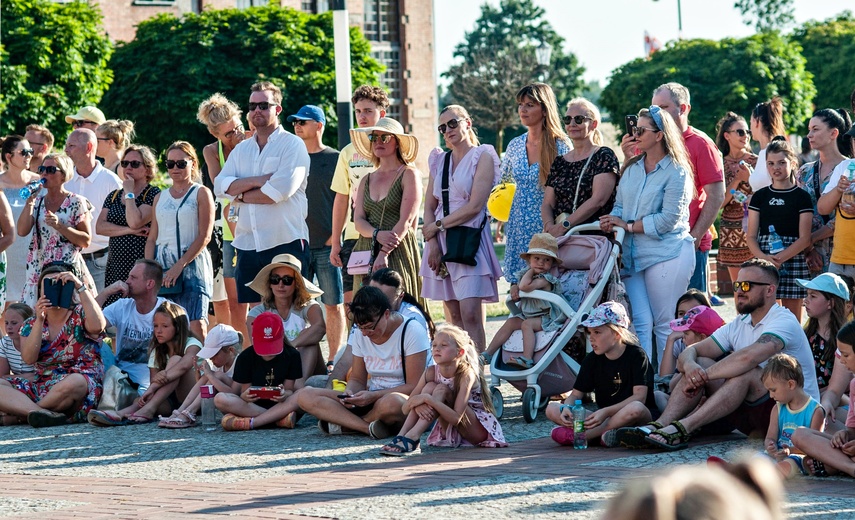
[238, 130]
[576, 119]
[26, 152]
[103, 138]
[746, 286]
[740, 132]
[263, 105]
[638, 131]
[132, 164]
[81, 122]
[451, 125]
[32, 143]
[178, 164]
[364, 327]
[300, 122]
[383, 138]
[50, 170]
[275, 279]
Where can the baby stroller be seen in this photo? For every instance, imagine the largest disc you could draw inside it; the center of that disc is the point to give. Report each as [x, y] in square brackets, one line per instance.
[588, 264]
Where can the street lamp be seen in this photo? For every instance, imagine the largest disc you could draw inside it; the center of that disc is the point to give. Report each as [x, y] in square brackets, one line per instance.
[542, 53]
[341, 44]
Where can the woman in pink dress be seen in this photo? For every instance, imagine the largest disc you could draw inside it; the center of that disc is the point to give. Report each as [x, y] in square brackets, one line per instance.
[473, 170]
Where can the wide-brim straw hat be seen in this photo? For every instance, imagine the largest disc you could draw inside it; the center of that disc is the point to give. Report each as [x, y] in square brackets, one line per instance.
[408, 145]
[261, 282]
[542, 244]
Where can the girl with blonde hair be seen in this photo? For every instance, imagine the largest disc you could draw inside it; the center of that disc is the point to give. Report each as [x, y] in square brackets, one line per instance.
[114, 137]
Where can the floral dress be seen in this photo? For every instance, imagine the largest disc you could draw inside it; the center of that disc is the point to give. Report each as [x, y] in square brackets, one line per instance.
[48, 245]
[733, 245]
[564, 178]
[451, 437]
[808, 179]
[524, 220]
[73, 351]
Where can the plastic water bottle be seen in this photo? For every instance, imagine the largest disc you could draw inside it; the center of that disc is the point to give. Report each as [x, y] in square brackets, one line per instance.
[776, 245]
[209, 411]
[739, 196]
[580, 442]
[849, 195]
[28, 190]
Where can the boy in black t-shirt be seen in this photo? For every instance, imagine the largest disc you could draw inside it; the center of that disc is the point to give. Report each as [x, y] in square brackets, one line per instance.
[619, 374]
[264, 374]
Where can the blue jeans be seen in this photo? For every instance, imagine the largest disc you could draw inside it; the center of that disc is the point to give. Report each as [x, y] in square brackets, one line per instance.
[699, 277]
[329, 276]
[98, 269]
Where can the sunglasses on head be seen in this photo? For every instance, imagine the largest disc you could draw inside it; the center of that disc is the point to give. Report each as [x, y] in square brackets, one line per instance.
[238, 130]
[50, 170]
[451, 125]
[262, 105]
[275, 279]
[81, 122]
[740, 132]
[27, 152]
[383, 138]
[746, 286]
[182, 163]
[132, 164]
[576, 119]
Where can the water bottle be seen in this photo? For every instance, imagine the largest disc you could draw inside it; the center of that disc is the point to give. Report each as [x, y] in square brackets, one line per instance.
[28, 190]
[849, 195]
[234, 212]
[739, 196]
[580, 442]
[209, 411]
[776, 245]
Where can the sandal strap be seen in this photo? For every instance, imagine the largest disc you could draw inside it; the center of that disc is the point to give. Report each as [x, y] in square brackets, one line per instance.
[681, 429]
[409, 444]
[189, 415]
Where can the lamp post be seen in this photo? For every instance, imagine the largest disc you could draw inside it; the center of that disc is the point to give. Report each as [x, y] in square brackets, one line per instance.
[543, 53]
[343, 89]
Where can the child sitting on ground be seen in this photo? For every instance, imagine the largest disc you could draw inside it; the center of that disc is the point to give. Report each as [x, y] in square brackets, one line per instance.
[784, 379]
[619, 374]
[675, 343]
[532, 315]
[450, 392]
[10, 344]
[172, 356]
[222, 345]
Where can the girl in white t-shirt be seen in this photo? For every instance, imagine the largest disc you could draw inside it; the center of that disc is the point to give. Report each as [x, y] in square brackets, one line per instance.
[222, 345]
[172, 358]
[10, 344]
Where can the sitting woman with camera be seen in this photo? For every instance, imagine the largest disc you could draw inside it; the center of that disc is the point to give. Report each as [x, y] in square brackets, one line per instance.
[62, 341]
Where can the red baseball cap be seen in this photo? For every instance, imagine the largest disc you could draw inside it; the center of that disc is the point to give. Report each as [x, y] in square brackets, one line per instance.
[268, 334]
[700, 319]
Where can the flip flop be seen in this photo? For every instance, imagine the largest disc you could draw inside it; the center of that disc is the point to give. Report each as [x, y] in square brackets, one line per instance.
[400, 447]
[103, 418]
[136, 418]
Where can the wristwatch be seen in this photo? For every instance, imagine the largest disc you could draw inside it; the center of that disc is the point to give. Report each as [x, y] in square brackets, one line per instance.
[439, 225]
[629, 224]
[130, 195]
[82, 289]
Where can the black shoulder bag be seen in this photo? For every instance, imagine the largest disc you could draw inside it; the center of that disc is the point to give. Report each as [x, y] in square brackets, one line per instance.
[403, 355]
[461, 242]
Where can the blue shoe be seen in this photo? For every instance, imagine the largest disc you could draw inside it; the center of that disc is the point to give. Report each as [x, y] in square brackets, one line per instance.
[716, 301]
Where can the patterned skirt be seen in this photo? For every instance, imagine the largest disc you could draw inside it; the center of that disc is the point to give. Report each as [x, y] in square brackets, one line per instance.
[795, 267]
[733, 246]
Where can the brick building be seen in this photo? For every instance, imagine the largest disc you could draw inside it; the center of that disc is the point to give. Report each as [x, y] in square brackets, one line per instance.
[401, 33]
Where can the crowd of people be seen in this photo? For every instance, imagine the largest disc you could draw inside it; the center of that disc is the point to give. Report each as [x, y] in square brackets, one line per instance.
[101, 267]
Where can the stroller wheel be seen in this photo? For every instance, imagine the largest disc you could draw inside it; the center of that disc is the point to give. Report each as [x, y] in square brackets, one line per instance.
[529, 405]
[498, 401]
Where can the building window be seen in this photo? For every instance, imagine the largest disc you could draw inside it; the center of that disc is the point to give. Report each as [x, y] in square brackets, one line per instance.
[381, 20]
[144, 2]
[243, 4]
[390, 56]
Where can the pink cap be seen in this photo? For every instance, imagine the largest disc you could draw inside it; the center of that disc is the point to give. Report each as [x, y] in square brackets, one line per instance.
[700, 319]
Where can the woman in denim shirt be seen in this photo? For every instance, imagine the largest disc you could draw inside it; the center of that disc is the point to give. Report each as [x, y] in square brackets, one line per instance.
[652, 205]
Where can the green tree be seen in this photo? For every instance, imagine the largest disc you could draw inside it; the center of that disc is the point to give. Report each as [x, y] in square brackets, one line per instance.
[767, 15]
[174, 64]
[829, 47]
[721, 75]
[497, 58]
[53, 60]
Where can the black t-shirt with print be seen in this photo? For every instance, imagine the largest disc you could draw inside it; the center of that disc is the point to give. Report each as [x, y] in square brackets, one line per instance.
[612, 380]
[252, 369]
[781, 208]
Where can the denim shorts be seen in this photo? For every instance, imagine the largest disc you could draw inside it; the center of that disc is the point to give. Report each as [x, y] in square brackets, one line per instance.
[329, 276]
[194, 302]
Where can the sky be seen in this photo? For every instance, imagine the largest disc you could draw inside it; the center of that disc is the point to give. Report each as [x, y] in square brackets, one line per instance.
[604, 34]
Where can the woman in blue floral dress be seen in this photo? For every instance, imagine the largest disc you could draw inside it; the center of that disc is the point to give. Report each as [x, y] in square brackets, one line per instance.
[528, 159]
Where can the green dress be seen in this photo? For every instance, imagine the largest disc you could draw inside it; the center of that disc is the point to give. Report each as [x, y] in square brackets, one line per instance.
[406, 258]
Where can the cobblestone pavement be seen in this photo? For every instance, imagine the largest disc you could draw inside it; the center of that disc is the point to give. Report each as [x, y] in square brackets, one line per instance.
[146, 472]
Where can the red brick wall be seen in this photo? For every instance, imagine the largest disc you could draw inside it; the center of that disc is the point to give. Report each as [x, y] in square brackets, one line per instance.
[122, 16]
[420, 109]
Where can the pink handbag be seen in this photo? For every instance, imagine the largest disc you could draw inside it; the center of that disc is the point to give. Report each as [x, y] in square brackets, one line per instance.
[359, 263]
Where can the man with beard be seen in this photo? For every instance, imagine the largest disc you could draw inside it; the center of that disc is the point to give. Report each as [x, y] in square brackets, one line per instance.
[725, 368]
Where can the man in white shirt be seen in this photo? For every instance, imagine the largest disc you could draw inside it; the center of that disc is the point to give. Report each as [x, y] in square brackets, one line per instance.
[726, 366]
[265, 178]
[133, 317]
[93, 181]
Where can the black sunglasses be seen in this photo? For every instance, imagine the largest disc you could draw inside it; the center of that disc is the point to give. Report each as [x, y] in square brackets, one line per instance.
[263, 105]
[132, 164]
[81, 122]
[576, 119]
[740, 132]
[300, 122]
[383, 138]
[275, 279]
[178, 164]
[746, 286]
[50, 170]
[454, 123]
[27, 152]
[638, 131]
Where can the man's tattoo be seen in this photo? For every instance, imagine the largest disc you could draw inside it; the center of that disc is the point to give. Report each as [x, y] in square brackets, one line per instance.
[769, 338]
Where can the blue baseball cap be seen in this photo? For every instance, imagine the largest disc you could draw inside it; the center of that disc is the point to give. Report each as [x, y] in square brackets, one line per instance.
[828, 283]
[309, 113]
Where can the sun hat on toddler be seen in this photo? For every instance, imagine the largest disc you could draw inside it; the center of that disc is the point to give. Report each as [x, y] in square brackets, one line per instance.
[700, 319]
[218, 337]
[605, 313]
[542, 244]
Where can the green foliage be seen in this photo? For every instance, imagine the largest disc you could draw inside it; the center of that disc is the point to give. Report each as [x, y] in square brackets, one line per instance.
[767, 15]
[174, 64]
[721, 75]
[829, 48]
[53, 60]
[498, 58]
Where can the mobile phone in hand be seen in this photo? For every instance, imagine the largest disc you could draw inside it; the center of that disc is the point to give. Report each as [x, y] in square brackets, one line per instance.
[631, 124]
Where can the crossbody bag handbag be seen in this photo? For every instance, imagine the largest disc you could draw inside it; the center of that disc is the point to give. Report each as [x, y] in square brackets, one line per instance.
[562, 218]
[362, 262]
[178, 286]
[461, 242]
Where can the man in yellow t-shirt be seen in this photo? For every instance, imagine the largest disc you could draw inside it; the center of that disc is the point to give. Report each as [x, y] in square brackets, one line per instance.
[370, 104]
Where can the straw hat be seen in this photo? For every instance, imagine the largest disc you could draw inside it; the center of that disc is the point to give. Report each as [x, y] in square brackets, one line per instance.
[542, 244]
[408, 145]
[261, 282]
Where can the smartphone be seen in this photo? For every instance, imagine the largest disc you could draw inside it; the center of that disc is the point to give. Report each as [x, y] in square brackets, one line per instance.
[343, 396]
[58, 293]
[265, 392]
[631, 123]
